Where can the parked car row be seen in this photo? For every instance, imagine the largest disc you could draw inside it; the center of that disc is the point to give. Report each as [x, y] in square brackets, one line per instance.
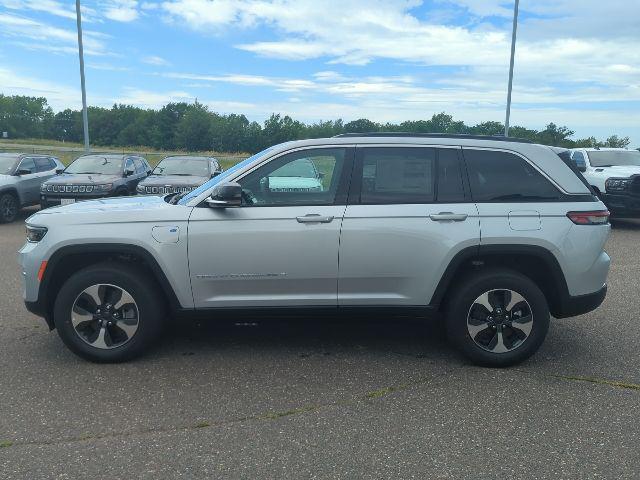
[28, 179]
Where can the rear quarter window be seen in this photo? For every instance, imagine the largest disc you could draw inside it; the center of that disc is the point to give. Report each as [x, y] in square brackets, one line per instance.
[505, 177]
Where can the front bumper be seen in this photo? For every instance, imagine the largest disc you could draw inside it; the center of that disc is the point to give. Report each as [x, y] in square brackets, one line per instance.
[572, 306]
[622, 204]
[47, 201]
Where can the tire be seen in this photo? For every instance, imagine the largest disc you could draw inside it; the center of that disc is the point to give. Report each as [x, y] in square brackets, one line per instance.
[9, 207]
[133, 327]
[504, 337]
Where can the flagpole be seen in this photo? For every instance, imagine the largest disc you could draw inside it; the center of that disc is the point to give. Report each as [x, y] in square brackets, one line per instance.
[513, 54]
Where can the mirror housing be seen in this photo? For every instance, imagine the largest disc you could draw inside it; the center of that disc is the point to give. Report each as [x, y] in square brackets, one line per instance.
[59, 171]
[582, 167]
[226, 195]
[128, 172]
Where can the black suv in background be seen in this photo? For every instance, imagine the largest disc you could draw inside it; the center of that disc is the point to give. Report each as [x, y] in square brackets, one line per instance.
[95, 176]
[178, 174]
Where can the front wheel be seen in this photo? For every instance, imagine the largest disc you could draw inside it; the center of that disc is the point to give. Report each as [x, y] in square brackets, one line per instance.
[498, 318]
[109, 312]
[9, 207]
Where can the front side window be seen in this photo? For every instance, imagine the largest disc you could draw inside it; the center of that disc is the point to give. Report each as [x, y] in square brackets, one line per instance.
[28, 165]
[502, 176]
[397, 175]
[306, 177]
[96, 164]
[7, 163]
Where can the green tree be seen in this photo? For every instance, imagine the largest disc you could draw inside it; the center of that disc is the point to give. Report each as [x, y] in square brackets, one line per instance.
[193, 129]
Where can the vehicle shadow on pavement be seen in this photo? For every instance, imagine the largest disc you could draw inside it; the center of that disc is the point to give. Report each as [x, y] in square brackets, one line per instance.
[625, 224]
[417, 338]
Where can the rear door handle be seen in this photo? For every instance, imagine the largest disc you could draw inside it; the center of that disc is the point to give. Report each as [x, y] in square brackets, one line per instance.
[448, 217]
[314, 218]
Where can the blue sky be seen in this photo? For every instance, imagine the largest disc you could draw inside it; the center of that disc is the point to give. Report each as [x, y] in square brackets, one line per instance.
[577, 63]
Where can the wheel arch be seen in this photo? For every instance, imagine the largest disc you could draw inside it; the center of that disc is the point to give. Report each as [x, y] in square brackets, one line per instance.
[67, 260]
[535, 262]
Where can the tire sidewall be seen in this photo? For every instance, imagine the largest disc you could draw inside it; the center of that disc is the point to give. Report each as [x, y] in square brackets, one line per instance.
[150, 311]
[462, 301]
[10, 197]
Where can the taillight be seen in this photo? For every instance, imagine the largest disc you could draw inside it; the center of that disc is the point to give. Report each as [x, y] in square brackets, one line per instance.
[600, 217]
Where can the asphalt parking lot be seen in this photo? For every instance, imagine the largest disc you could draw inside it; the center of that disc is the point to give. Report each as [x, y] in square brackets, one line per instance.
[309, 399]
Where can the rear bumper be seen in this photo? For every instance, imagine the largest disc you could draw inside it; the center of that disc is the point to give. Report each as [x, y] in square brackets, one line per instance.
[572, 306]
[622, 204]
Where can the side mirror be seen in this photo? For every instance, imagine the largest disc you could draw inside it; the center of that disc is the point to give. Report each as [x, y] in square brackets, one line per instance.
[582, 167]
[59, 171]
[149, 172]
[226, 195]
[128, 172]
[23, 171]
[215, 174]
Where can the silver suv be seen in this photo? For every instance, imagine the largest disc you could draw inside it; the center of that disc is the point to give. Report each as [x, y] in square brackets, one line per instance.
[21, 175]
[494, 234]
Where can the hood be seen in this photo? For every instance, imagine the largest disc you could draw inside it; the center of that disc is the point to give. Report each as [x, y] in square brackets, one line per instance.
[7, 179]
[82, 179]
[621, 171]
[173, 181]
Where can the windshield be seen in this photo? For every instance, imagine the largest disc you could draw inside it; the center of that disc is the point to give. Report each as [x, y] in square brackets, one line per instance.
[198, 166]
[96, 164]
[608, 158]
[223, 176]
[7, 163]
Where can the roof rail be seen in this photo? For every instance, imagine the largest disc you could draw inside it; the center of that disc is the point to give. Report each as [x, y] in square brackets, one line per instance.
[435, 135]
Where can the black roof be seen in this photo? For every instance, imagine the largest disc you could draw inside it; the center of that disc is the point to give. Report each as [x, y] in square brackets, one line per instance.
[435, 135]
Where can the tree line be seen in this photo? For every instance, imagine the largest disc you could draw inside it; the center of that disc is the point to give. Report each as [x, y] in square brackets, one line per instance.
[193, 127]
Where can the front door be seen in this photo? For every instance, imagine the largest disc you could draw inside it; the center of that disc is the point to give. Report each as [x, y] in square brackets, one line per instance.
[409, 214]
[280, 248]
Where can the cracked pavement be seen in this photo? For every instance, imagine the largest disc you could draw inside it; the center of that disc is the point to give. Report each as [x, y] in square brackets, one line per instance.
[306, 398]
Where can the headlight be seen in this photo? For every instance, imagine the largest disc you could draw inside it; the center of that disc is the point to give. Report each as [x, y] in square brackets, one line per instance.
[35, 234]
[617, 184]
[105, 187]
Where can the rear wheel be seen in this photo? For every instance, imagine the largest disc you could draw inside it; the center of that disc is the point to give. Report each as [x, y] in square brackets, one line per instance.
[9, 207]
[498, 318]
[109, 313]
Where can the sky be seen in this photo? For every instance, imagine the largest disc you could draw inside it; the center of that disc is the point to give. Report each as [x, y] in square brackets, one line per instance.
[577, 61]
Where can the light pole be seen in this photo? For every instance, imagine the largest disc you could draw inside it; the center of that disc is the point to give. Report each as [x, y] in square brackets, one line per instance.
[85, 118]
[513, 54]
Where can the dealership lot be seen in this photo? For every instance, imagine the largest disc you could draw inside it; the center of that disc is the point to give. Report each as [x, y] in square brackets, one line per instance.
[306, 398]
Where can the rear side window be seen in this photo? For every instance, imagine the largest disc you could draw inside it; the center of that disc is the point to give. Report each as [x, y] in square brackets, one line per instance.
[502, 176]
[397, 175]
[43, 164]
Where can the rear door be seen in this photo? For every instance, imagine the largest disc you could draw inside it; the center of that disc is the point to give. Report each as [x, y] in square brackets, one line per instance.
[517, 203]
[409, 213]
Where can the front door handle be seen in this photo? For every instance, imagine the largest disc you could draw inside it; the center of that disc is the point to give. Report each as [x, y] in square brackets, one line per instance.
[448, 217]
[314, 218]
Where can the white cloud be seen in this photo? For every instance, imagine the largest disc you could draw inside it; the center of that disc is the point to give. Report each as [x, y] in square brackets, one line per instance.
[155, 60]
[121, 10]
[42, 36]
[150, 99]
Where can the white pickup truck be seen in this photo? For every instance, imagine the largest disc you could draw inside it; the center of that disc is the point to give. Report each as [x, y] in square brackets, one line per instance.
[614, 173]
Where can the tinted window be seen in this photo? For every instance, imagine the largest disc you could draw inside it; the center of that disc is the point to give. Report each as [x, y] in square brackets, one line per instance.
[501, 176]
[43, 164]
[607, 158]
[27, 164]
[450, 187]
[397, 175]
[284, 182]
